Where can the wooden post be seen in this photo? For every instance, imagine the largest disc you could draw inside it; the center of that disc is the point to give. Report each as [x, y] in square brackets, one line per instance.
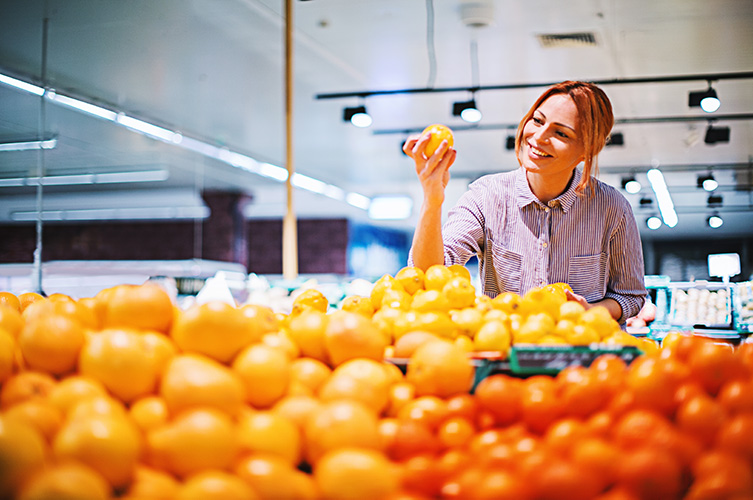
[289, 229]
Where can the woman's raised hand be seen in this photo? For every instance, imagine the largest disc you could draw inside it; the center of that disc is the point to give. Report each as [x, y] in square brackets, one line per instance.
[433, 171]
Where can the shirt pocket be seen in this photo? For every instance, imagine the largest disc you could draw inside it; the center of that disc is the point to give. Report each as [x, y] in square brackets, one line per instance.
[586, 274]
[508, 267]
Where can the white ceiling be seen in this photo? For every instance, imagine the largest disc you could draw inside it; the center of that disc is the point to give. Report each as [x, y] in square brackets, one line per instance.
[214, 71]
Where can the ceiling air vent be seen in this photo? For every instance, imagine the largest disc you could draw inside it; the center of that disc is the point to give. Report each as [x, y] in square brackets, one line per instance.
[556, 40]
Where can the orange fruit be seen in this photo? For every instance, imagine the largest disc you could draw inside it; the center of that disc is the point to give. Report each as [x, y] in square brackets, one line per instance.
[24, 386]
[339, 424]
[297, 408]
[67, 481]
[109, 444]
[381, 285]
[11, 320]
[401, 393]
[438, 133]
[736, 435]
[27, 298]
[702, 417]
[149, 412]
[38, 413]
[273, 477]
[310, 298]
[9, 299]
[350, 335]
[51, 344]
[407, 344]
[152, 484]
[96, 309]
[358, 304]
[429, 411]
[215, 329]
[352, 473]
[307, 331]
[455, 432]
[193, 380]
[460, 292]
[734, 396]
[712, 365]
[411, 278]
[650, 473]
[143, 307]
[281, 340]
[265, 373]
[310, 372]
[68, 308]
[359, 379]
[215, 485]
[8, 353]
[116, 358]
[193, 441]
[502, 396]
[437, 276]
[160, 348]
[261, 320]
[269, 433]
[74, 389]
[22, 452]
[440, 368]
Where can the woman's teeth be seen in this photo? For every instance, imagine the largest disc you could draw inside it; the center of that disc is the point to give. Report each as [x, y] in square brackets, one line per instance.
[539, 152]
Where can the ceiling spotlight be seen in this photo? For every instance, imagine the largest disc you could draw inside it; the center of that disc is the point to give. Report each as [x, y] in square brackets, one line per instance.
[615, 139]
[653, 222]
[467, 110]
[631, 185]
[707, 182]
[714, 200]
[706, 99]
[358, 116]
[714, 221]
[510, 143]
[716, 134]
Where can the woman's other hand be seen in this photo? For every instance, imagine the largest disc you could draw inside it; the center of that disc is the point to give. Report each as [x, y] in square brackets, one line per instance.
[433, 172]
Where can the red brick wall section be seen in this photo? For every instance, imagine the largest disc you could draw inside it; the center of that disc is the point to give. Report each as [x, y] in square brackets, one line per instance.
[225, 234]
[322, 246]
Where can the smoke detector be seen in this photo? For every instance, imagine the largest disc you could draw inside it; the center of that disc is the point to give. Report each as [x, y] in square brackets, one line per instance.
[477, 13]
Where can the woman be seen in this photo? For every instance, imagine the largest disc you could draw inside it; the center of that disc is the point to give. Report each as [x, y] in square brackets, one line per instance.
[545, 222]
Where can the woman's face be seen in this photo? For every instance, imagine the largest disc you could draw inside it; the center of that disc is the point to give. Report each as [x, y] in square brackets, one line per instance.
[552, 145]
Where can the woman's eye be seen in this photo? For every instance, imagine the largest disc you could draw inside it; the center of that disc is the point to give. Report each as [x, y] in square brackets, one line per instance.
[538, 120]
[562, 134]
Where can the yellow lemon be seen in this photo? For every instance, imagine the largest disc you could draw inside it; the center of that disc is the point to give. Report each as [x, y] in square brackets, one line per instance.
[438, 133]
[437, 276]
[412, 279]
[508, 302]
[460, 292]
[493, 336]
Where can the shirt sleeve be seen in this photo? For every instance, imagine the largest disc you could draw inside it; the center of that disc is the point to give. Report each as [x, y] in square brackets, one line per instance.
[626, 283]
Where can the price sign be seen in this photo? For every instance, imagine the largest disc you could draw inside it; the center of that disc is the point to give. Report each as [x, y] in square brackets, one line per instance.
[534, 359]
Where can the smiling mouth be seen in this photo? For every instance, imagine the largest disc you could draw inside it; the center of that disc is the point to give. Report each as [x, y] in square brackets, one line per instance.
[539, 152]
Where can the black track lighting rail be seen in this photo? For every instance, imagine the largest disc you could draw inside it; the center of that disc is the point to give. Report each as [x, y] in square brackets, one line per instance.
[708, 77]
[617, 121]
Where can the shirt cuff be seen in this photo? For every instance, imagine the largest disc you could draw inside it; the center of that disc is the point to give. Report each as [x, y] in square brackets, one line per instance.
[630, 304]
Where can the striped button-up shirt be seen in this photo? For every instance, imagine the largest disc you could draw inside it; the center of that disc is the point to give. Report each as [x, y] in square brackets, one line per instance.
[589, 241]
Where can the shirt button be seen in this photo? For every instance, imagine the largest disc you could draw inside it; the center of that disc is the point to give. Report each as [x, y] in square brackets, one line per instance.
[546, 209]
[544, 244]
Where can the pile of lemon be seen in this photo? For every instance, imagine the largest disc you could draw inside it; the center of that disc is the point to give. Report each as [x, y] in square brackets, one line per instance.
[442, 302]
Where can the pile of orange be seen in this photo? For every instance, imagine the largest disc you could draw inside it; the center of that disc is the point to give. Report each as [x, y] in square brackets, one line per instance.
[125, 395]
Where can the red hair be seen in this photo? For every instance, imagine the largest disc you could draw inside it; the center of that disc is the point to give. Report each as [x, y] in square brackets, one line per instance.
[595, 120]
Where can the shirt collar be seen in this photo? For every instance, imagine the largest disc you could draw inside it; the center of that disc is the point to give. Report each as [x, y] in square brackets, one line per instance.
[524, 196]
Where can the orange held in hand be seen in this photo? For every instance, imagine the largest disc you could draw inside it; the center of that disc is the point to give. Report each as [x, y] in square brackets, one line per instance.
[438, 134]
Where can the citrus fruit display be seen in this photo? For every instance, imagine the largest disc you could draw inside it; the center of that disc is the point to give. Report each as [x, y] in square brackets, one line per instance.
[218, 401]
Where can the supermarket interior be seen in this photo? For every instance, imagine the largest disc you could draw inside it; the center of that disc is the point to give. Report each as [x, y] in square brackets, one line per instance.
[206, 225]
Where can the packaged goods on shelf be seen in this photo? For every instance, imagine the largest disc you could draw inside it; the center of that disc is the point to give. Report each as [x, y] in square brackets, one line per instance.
[700, 303]
[743, 306]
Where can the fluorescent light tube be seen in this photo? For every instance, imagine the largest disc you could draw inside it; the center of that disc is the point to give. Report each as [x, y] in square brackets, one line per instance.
[82, 106]
[273, 172]
[79, 179]
[21, 85]
[308, 183]
[144, 213]
[390, 207]
[334, 192]
[358, 200]
[135, 176]
[145, 128]
[28, 145]
[664, 200]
